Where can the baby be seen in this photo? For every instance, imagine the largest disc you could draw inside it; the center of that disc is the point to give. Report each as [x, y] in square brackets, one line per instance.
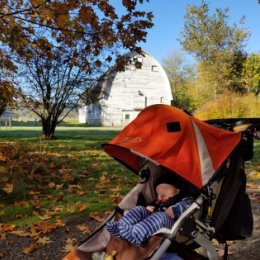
[141, 222]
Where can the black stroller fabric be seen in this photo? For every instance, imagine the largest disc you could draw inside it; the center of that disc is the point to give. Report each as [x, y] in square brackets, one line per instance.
[232, 216]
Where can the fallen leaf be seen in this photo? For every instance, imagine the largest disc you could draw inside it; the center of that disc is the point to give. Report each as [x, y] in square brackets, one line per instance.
[83, 229]
[80, 207]
[2, 236]
[94, 215]
[69, 245]
[3, 170]
[36, 203]
[116, 197]
[103, 181]
[44, 240]
[6, 227]
[51, 185]
[32, 193]
[8, 188]
[252, 186]
[70, 210]
[117, 188]
[30, 248]
[21, 233]
[45, 228]
[59, 223]
[59, 186]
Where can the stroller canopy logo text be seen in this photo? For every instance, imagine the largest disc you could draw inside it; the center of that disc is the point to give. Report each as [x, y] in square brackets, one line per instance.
[136, 139]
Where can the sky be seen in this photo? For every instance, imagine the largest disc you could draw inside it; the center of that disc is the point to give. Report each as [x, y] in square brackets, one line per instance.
[169, 21]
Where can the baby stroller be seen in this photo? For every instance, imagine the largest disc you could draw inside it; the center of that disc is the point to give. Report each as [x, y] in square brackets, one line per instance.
[206, 159]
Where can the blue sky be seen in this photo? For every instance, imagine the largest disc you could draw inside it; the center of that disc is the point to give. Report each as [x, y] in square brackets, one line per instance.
[168, 22]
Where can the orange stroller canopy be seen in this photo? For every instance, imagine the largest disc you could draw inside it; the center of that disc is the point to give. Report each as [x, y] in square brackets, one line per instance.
[176, 140]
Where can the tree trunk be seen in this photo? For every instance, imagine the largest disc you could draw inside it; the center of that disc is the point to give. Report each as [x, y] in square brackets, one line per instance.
[48, 128]
[2, 108]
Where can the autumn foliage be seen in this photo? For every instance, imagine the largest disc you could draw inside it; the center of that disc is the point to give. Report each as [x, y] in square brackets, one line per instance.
[94, 24]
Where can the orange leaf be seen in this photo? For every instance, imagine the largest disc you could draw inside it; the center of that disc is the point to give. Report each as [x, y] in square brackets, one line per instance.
[86, 14]
[30, 249]
[83, 229]
[37, 2]
[62, 20]
[8, 188]
[2, 158]
[51, 185]
[3, 170]
[6, 227]
[96, 217]
[44, 240]
[71, 256]
[32, 193]
[103, 181]
[21, 233]
[252, 186]
[80, 207]
[69, 245]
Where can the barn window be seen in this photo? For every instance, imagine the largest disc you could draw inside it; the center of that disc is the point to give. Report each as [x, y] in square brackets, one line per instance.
[127, 116]
[155, 68]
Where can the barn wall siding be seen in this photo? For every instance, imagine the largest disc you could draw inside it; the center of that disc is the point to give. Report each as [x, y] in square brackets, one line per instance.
[127, 93]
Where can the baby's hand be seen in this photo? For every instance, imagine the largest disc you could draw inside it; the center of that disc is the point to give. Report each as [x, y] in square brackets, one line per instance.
[169, 212]
[150, 208]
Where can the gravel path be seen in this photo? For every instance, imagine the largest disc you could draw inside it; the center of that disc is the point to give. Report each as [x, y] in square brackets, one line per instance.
[249, 248]
[11, 246]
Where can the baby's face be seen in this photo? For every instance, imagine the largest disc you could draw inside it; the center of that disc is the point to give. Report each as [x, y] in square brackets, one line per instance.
[165, 190]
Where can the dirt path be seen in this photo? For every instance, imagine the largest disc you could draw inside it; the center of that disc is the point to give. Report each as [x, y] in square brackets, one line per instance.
[249, 248]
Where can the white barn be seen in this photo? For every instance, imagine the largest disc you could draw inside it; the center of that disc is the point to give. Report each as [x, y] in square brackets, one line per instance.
[125, 94]
[6, 117]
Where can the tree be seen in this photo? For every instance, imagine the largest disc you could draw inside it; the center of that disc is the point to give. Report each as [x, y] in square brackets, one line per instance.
[49, 86]
[251, 73]
[6, 83]
[83, 35]
[217, 45]
[181, 76]
[6, 95]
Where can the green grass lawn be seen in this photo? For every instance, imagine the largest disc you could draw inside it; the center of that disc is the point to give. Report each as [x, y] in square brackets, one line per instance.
[69, 176]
